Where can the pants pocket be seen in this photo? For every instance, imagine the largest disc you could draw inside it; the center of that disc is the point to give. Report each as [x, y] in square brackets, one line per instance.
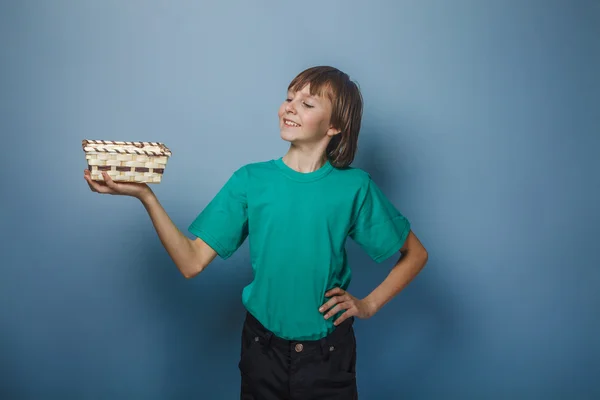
[334, 377]
[250, 345]
[334, 386]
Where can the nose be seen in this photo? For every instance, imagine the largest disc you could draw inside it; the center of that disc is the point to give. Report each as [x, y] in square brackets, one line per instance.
[289, 108]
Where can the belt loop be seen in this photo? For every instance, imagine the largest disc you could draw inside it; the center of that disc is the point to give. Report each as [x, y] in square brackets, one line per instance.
[324, 349]
[268, 337]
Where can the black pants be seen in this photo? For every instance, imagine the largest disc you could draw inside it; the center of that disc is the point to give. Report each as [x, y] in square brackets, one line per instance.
[273, 368]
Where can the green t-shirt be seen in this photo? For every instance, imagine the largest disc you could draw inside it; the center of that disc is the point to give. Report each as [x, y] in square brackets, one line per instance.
[297, 224]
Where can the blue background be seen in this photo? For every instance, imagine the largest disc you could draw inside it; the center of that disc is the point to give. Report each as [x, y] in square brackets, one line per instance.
[481, 124]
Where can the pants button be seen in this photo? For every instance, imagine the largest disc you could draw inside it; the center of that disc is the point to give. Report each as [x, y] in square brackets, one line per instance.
[299, 347]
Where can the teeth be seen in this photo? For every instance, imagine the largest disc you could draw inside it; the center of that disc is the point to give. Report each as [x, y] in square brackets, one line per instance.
[290, 123]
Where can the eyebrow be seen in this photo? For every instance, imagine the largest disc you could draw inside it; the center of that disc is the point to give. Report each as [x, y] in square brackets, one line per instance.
[311, 96]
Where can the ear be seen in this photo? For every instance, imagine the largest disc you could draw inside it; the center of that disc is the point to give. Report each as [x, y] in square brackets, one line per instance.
[332, 131]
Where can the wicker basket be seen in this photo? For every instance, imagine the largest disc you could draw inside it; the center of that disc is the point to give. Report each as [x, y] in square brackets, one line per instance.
[126, 161]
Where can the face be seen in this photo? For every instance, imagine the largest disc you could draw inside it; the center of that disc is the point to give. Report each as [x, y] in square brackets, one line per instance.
[305, 118]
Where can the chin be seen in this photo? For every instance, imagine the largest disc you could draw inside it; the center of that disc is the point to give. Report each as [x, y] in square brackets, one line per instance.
[287, 136]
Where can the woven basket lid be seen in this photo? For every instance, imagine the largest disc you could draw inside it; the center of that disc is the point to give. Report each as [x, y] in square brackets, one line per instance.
[121, 147]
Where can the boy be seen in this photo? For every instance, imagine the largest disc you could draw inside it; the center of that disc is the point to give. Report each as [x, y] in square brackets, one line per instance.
[297, 212]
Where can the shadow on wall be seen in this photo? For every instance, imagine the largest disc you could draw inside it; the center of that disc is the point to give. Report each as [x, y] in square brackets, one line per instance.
[413, 332]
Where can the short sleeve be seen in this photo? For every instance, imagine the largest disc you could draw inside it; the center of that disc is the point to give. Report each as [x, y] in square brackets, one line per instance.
[223, 224]
[379, 228]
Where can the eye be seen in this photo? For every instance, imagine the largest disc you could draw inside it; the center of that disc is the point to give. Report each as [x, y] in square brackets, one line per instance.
[288, 99]
[307, 105]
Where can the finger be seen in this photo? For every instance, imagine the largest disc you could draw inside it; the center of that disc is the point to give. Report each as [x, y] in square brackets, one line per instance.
[332, 302]
[108, 180]
[97, 186]
[100, 188]
[335, 300]
[335, 291]
[116, 188]
[89, 181]
[341, 306]
[350, 313]
[91, 187]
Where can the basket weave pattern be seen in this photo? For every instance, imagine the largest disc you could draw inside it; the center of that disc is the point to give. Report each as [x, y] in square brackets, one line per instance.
[126, 161]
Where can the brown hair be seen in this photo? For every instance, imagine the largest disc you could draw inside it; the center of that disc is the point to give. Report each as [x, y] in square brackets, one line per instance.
[346, 113]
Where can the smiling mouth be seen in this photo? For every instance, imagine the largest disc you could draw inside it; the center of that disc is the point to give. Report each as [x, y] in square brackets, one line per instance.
[287, 122]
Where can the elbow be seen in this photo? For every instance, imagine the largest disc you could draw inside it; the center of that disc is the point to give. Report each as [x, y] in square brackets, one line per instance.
[418, 255]
[192, 270]
[199, 256]
[414, 250]
[187, 274]
[423, 257]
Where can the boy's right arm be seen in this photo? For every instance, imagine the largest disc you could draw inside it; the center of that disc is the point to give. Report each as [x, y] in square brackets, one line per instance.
[190, 256]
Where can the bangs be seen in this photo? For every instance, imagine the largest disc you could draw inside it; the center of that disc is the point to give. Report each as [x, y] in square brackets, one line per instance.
[323, 82]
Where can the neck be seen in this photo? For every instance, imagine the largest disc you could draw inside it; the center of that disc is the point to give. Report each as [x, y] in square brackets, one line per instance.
[305, 160]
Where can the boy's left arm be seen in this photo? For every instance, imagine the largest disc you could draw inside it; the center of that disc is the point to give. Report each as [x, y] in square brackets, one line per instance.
[413, 258]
